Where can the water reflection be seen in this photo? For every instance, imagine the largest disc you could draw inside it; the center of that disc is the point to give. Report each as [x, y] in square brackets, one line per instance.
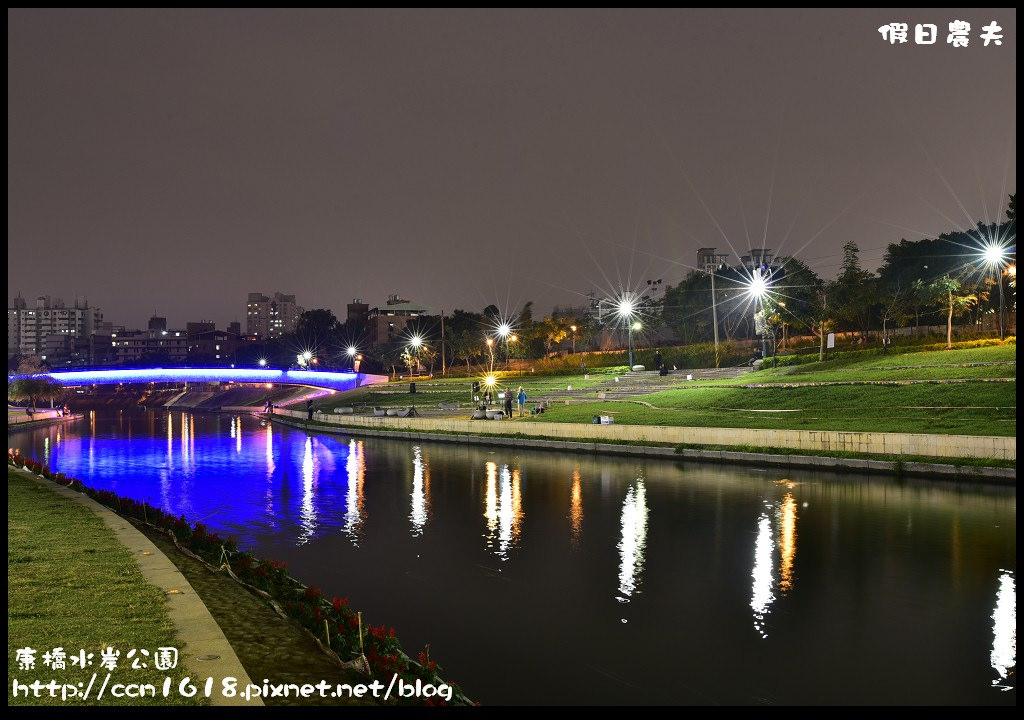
[420, 492]
[307, 517]
[491, 503]
[1004, 632]
[787, 542]
[634, 540]
[762, 596]
[859, 576]
[503, 509]
[269, 455]
[355, 499]
[576, 508]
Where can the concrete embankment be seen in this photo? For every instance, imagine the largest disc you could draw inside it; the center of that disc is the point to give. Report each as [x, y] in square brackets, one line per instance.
[508, 434]
[20, 420]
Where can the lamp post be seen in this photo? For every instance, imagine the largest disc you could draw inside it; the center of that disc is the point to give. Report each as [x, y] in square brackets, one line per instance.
[757, 288]
[711, 267]
[632, 327]
[994, 256]
[573, 328]
[625, 308]
[504, 332]
[415, 343]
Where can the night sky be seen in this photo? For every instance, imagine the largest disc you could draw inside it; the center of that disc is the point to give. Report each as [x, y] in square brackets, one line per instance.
[173, 161]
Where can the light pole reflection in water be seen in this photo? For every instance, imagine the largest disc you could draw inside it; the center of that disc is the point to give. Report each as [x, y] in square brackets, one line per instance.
[271, 466]
[762, 596]
[576, 508]
[307, 515]
[1004, 632]
[355, 476]
[787, 542]
[503, 509]
[420, 492]
[634, 541]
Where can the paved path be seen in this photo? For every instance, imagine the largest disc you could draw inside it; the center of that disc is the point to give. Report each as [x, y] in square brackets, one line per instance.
[205, 651]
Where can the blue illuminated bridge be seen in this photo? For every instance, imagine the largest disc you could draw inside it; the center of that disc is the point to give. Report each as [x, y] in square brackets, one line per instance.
[328, 380]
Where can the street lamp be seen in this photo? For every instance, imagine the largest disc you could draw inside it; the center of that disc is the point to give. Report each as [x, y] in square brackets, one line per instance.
[625, 308]
[632, 327]
[757, 288]
[573, 328]
[490, 351]
[995, 255]
[263, 362]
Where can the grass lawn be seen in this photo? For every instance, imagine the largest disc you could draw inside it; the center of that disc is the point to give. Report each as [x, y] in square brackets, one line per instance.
[968, 409]
[71, 584]
[908, 366]
[431, 391]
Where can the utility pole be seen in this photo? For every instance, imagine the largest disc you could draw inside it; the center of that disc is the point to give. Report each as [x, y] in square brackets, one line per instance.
[444, 367]
[714, 316]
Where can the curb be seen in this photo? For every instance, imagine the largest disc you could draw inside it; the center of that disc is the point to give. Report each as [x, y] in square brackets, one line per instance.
[198, 632]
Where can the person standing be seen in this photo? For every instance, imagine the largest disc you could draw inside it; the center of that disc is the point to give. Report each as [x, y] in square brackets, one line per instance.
[657, 360]
[508, 403]
[309, 408]
[521, 397]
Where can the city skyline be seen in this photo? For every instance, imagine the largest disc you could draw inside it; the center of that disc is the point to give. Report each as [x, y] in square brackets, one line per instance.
[175, 160]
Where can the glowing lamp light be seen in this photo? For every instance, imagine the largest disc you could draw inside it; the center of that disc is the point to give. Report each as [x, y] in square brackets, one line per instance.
[504, 330]
[625, 307]
[637, 326]
[263, 362]
[490, 341]
[490, 381]
[757, 287]
[994, 254]
[416, 341]
[351, 351]
[307, 356]
[513, 338]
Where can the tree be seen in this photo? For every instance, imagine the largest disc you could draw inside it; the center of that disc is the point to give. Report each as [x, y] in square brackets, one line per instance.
[555, 329]
[818, 313]
[464, 345]
[389, 355]
[894, 307]
[32, 382]
[950, 292]
[855, 290]
[319, 331]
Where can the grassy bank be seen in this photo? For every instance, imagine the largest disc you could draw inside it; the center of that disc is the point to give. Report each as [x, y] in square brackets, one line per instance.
[968, 409]
[71, 584]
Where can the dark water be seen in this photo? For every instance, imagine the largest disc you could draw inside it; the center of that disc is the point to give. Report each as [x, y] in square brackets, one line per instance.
[554, 578]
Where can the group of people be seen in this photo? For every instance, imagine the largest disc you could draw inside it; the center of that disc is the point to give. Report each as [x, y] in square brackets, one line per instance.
[511, 397]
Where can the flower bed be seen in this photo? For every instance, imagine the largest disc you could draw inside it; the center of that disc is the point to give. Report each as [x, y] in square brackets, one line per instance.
[374, 650]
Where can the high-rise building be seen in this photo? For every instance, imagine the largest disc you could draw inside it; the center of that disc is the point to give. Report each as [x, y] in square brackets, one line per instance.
[28, 328]
[14, 314]
[271, 317]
